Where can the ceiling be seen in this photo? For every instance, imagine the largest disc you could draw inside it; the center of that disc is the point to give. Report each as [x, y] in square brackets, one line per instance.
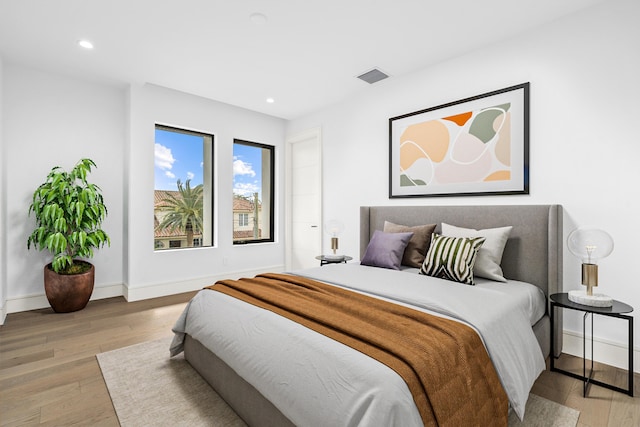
[306, 55]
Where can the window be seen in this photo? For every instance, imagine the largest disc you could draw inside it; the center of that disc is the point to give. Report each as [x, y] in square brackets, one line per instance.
[183, 192]
[243, 219]
[253, 184]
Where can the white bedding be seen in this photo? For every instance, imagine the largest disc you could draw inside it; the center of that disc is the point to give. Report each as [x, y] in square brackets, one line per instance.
[314, 380]
[514, 293]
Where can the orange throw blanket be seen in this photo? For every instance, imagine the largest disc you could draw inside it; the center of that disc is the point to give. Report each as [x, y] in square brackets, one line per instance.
[443, 362]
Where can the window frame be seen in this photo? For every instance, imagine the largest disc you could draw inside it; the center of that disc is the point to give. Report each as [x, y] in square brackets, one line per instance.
[208, 151]
[271, 188]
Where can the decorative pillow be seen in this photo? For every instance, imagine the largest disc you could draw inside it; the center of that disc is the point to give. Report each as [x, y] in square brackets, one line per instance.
[490, 254]
[452, 258]
[385, 249]
[418, 244]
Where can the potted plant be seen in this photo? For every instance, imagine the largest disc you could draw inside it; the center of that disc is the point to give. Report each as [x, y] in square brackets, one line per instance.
[68, 211]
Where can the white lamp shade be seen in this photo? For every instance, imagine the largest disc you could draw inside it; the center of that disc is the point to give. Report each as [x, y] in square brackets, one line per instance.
[590, 244]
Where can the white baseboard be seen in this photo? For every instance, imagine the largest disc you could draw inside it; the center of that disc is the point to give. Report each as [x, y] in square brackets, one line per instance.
[607, 352]
[171, 288]
[3, 314]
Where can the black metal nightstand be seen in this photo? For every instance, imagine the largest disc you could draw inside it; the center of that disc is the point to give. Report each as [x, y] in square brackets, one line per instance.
[617, 310]
[329, 260]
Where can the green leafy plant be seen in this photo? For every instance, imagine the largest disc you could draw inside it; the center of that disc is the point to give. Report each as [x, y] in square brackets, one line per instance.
[68, 211]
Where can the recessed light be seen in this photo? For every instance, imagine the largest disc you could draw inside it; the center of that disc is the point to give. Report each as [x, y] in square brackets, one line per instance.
[85, 44]
[271, 100]
[258, 18]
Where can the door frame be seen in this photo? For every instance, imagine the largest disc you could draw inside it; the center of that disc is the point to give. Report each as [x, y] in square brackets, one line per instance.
[313, 133]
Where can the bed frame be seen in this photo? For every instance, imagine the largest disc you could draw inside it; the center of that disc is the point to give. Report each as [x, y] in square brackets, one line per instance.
[532, 254]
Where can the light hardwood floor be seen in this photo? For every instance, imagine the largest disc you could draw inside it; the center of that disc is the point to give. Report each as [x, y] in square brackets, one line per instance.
[49, 374]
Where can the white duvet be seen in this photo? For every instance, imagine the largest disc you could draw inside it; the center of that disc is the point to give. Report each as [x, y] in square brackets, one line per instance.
[314, 380]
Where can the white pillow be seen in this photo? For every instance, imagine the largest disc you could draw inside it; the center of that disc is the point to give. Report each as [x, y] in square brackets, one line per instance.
[490, 253]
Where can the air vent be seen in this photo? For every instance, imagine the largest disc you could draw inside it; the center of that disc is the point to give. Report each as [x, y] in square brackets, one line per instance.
[373, 76]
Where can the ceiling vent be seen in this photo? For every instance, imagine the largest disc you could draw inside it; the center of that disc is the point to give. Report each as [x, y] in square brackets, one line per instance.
[373, 76]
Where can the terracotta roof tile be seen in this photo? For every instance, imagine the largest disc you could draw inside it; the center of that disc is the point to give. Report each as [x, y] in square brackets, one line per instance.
[242, 205]
[160, 195]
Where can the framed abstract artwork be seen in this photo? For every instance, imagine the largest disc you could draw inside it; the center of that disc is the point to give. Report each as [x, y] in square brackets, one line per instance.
[472, 147]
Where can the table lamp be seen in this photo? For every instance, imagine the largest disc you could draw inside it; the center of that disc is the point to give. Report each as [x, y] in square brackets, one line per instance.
[590, 245]
[334, 228]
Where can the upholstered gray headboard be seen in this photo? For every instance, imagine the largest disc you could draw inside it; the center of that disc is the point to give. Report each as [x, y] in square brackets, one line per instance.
[532, 254]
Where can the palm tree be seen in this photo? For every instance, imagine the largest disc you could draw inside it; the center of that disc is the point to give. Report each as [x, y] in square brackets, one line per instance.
[184, 211]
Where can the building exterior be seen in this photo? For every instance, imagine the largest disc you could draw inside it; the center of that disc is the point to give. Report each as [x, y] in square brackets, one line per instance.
[247, 220]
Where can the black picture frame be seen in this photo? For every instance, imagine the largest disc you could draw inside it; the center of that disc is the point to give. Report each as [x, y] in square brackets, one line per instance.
[477, 146]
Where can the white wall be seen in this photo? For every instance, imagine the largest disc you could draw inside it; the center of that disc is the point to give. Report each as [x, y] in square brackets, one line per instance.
[153, 273]
[50, 120]
[584, 144]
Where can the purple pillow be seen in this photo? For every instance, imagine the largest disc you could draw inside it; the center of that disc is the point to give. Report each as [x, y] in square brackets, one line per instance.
[386, 249]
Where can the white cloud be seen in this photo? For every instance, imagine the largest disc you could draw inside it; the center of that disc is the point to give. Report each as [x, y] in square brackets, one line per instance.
[163, 157]
[245, 189]
[190, 175]
[242, 168]
[170, 174]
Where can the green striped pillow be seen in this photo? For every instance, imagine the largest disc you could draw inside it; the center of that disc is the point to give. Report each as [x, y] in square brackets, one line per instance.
[452, 258]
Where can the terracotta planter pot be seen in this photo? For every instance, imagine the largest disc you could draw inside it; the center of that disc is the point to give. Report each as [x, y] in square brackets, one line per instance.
[68, 292]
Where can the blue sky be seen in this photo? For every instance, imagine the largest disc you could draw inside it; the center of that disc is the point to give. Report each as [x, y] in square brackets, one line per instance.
[247, 170]
[179, 156]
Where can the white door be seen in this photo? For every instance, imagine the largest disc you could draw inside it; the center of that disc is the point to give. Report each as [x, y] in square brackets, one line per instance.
[304, 200]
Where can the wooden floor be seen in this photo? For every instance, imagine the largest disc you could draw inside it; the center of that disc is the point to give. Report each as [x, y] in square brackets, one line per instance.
[49, 374]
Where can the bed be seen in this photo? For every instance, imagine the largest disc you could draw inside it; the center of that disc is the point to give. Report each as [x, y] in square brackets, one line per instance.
[285, 384]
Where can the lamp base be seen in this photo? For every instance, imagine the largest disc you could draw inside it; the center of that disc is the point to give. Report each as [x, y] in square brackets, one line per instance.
[334, 257]
[595, 300]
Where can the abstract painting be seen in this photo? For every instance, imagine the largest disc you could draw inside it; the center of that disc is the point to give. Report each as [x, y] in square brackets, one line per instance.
[475, 146]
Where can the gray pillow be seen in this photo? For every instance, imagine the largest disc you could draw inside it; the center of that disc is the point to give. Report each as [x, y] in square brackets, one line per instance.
[418, 245]
[386, 249]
